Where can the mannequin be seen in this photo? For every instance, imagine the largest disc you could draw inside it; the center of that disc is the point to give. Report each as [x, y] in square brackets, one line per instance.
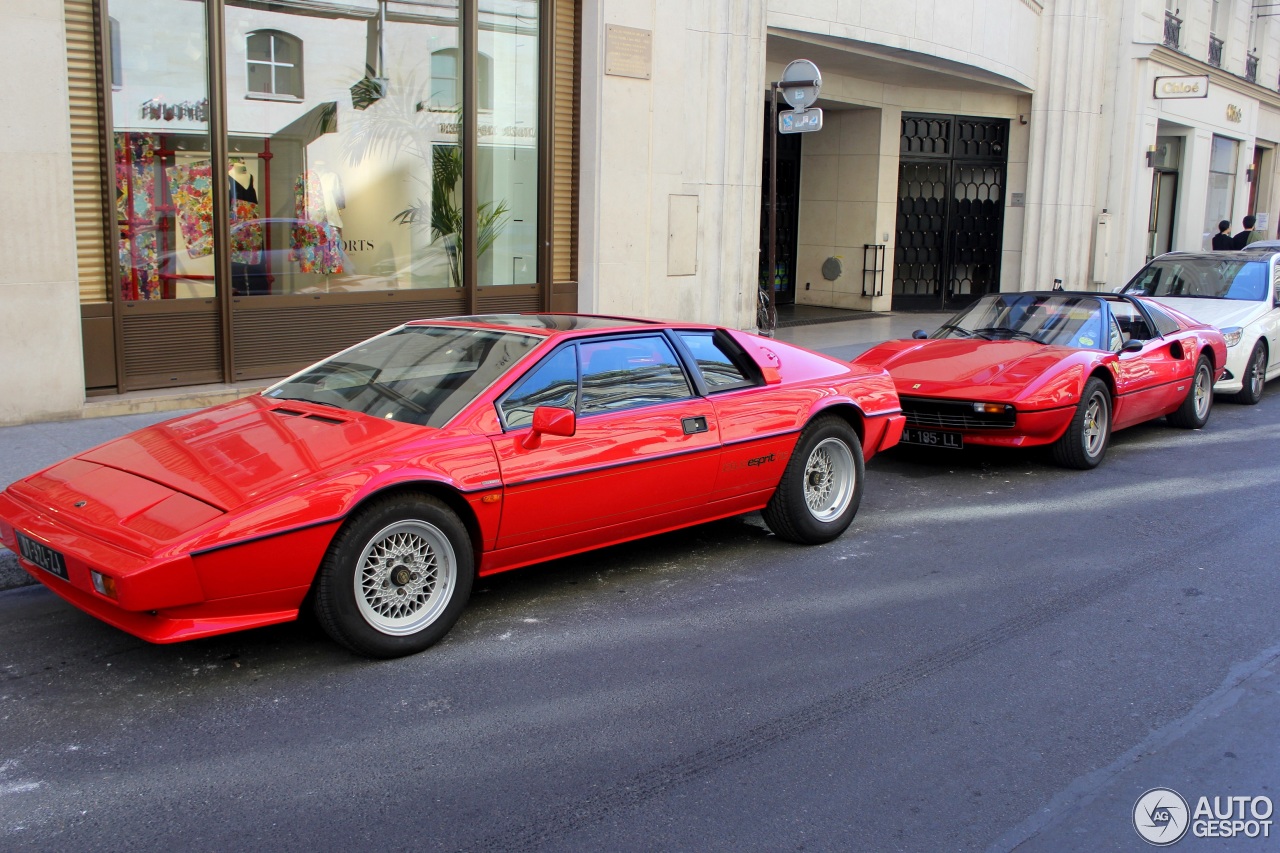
[248, 272]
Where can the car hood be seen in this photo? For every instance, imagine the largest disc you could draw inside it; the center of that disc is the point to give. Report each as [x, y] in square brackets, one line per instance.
[1221, 313]
[222, 457]
[968, 368]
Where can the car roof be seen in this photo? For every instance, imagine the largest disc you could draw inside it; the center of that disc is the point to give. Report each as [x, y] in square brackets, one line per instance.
[550, 324]
[1248, 254]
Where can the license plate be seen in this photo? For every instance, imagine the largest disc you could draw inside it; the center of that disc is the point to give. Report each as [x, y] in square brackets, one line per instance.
[43, 556]
[933, 438]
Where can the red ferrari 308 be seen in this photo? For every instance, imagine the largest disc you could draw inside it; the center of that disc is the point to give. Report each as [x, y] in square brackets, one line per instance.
[377, 484]
[1056, 368]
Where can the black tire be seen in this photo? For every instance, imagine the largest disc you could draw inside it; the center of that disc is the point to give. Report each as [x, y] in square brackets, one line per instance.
[396, 577]
[1085, 442]
[821, 487]
[1195, 408]
[1255, 376]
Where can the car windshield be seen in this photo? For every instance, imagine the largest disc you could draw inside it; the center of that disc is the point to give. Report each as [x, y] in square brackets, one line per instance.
[418, 374]
[1060, 320]
[1202, 278]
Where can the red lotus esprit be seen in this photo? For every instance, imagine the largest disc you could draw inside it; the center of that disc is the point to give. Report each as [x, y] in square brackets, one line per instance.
[1057, 368]
[376, 485]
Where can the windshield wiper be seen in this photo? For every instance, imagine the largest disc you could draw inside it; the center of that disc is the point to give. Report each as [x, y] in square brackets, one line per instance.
[964, 332]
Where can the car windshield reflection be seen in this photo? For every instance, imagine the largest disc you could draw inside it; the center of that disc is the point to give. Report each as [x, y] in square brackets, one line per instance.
[418, 374]
[1053, 319]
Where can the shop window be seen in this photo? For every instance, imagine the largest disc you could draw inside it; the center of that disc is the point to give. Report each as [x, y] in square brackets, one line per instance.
[274, 65]
[446, 68]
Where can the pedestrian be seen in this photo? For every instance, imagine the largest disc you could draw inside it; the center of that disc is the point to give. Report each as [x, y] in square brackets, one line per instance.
[1242, 238]
[1223, 240]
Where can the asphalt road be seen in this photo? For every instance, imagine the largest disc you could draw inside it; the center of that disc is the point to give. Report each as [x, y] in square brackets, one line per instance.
[989, 632]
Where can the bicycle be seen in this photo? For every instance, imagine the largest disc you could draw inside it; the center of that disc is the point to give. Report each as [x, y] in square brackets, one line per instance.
[766, 313]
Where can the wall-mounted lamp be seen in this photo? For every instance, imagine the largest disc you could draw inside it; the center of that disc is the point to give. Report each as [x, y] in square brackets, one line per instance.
[1250, 173]
[1151, 155]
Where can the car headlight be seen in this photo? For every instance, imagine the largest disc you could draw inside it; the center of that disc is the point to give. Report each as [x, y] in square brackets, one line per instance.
[1233, 335]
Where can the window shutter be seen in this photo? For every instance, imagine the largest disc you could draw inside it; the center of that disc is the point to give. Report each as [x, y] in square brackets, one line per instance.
[84, 76]
[564, 144]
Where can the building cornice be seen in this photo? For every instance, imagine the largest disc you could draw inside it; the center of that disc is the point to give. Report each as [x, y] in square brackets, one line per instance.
[1193, 67]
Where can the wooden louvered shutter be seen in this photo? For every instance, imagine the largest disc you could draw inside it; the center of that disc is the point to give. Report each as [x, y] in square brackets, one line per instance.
[564, 157]
[84, 76]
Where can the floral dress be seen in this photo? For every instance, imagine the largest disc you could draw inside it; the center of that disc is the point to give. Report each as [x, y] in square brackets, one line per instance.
[316, 244]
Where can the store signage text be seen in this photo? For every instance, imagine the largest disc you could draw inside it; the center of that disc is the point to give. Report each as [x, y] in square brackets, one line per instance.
[510, 131]
[158, 110]
[1182, 87]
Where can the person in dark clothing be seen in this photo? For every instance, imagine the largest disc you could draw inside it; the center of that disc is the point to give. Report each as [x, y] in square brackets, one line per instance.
[1242, 238]
[1223, 239]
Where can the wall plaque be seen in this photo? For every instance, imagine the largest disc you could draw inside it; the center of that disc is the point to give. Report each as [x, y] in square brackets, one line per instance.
[628, 52]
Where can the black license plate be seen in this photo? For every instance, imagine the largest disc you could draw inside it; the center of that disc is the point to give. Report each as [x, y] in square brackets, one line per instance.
[43, 556]
[933, 438]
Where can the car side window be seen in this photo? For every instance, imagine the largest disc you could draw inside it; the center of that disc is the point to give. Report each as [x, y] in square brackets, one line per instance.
[552, 382]
[1275, 284]
[1115, 338]
[1133, 326]
[716, 366]
[1165, 324]
[629, 372]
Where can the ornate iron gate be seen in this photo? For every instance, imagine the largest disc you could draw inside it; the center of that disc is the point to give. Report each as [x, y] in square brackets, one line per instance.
[950, 224]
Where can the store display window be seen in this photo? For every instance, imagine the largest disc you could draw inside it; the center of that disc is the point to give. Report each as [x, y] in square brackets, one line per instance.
[344, 172]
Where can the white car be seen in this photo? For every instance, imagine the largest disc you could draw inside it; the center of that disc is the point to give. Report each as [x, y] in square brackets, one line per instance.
[1239, 293]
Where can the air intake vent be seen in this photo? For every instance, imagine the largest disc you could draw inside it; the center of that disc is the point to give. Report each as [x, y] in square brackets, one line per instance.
[294, 413]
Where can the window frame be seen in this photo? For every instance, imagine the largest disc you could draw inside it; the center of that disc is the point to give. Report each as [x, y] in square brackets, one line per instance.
[693, 379]
[753, 377]
[298, 66]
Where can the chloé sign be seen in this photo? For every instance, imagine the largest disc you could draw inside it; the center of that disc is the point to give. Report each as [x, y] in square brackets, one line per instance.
[1182, 87]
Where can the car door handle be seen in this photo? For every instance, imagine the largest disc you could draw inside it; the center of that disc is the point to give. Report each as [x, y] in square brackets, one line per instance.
[693, 425]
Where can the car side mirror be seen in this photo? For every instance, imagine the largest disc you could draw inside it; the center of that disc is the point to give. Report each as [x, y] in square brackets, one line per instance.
[1133, 345]
[550, 420]
[919, 334]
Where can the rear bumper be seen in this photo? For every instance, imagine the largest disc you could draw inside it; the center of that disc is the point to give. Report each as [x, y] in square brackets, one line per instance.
[882, 432]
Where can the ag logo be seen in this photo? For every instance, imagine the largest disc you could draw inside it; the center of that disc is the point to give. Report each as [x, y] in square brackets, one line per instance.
[1160, 816]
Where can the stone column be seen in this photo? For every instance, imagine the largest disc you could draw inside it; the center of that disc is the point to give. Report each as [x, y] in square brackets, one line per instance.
[692, 130]
[1062, 162]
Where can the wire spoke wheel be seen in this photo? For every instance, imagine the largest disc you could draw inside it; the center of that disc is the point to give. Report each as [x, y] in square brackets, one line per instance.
[821, 487]
[404, 577]
[829, 479]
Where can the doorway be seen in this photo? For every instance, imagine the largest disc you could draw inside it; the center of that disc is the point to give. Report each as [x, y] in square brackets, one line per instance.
[1164, 197]
[788, 200]
[950, 222]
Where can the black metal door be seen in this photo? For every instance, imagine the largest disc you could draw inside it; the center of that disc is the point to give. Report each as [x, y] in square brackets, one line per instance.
[789, 152]
[950, 223]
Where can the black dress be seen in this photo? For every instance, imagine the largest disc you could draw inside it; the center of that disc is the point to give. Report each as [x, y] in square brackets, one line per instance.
[247, 279]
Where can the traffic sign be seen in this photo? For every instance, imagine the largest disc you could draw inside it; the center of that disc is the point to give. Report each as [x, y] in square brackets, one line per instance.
[801, 81]
[799, 121]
